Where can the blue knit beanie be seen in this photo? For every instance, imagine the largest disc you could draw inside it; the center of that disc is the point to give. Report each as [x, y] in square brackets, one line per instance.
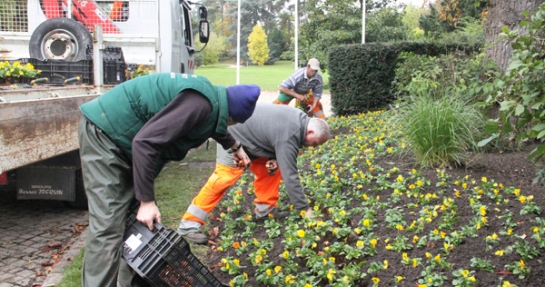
[241, 100]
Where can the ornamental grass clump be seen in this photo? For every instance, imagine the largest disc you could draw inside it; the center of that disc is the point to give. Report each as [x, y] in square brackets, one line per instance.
[440, 132]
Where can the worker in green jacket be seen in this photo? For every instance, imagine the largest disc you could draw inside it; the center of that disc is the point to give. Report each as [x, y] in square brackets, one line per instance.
[126, 137]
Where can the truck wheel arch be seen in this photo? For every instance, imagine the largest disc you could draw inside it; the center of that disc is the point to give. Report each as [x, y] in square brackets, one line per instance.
[60, 39]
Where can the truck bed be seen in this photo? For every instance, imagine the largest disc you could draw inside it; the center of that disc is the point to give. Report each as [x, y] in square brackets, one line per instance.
[39, 123]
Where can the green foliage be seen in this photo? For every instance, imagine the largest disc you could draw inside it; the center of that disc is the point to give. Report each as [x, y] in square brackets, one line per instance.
[252, 13]
[441, 130]
[410, 20]
[451, 16]
[469, 30]
[385, 25]
[140, 71]
[16, 70]
[361, 75]
[336, 22]
[211, 53]
[521, 91]
[258, 50]
[437, 96]
[430, 24]
[455, 74]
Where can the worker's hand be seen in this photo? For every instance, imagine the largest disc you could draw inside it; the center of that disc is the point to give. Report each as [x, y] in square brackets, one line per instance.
[147, 213]
[301, 98]
[311, 108]
[241, 159]
[271, 166]
[309, 213]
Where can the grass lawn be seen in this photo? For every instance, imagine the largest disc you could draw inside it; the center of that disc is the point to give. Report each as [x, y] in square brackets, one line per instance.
[267, 77]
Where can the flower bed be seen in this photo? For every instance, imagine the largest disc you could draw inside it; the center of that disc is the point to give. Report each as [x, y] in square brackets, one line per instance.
[381, 221]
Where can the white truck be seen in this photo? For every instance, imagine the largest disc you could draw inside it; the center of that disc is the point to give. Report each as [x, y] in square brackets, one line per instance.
[38, 124]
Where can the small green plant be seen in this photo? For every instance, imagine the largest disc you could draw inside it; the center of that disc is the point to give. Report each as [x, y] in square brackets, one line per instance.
[482, 264]
[431, 277]
[140, 71]
[464, 278]
[16, 70]
[525, 250]
[519, 268]
[400, 243]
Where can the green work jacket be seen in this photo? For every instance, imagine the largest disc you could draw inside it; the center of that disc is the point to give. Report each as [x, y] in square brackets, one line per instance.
[122, 111]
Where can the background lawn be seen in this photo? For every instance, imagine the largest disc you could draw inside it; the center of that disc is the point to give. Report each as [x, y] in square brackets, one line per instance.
[267, 77]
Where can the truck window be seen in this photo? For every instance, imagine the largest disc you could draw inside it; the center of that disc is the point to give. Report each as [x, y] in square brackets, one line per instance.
[186, 26]
[117, 10]
[13, 16]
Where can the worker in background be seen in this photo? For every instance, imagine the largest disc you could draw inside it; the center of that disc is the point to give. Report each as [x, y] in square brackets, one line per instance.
[126, 137]
[305, 85]
[271, 144]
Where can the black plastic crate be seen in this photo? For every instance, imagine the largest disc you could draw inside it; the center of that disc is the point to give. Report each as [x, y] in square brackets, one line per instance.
[114, 72]
[163, 258]
[58, 70]
[114, 65]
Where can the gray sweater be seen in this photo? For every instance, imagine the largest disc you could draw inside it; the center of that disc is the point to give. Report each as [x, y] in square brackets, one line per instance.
[277, 132]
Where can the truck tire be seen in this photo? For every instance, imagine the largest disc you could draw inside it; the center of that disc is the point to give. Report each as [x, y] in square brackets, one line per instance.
[81, 197]
[60, 39]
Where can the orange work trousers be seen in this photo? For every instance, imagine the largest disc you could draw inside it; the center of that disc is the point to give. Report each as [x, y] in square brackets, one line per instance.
[318, 111]
[266, 189]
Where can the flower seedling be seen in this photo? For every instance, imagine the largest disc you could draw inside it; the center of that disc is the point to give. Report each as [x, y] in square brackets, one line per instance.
[482, 264]
[464, 278]
[519, 268]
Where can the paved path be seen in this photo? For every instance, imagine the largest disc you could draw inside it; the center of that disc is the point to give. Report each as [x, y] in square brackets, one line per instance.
[37, 238]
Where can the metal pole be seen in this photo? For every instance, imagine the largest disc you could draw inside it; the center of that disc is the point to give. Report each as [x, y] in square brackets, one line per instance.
[69, 8]
[363, 21]
[296, 34]
[98, 45]
[238, 44]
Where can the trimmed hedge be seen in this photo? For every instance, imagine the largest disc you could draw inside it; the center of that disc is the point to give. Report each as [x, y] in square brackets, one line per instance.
[360, 76]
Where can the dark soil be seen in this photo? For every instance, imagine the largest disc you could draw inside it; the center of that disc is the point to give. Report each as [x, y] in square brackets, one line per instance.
[509, 168]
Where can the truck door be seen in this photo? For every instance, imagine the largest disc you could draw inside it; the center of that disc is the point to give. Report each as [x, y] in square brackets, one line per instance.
[186, 60]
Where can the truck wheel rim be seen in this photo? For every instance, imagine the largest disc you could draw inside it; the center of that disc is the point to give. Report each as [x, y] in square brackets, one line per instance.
[59, 45]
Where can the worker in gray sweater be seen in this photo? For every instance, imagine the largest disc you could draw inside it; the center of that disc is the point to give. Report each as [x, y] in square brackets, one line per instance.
[272, 138]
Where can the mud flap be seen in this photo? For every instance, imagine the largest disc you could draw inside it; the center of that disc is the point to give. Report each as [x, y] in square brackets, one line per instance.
[46, 182]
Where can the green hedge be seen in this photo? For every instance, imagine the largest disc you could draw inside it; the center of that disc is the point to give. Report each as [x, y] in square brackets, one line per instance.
[360, 76]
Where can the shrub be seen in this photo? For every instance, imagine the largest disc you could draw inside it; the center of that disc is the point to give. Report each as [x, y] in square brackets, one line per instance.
[521, 90]
[455, 74]
[360, 76]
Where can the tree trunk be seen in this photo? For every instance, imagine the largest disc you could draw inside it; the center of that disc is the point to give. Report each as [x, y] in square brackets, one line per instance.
[504, 13]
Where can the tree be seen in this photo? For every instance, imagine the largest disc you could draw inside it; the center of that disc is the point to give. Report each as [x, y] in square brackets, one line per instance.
[258, 49]
[278, 43]
[252, 12]
[504, 13]
[326, 23]
[385, 25]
